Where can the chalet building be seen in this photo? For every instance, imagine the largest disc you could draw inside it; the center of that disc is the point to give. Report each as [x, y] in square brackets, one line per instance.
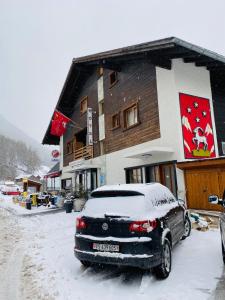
[149, 112]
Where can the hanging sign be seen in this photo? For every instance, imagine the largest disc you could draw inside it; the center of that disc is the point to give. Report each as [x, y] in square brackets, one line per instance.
[55, 155]
[197, 127]
[89, 127]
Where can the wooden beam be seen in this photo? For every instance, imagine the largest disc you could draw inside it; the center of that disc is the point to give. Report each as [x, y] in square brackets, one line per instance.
[111, 65]
[218, 68]
[161, 62]
[192, 58]
[206, 163]
[208, 64]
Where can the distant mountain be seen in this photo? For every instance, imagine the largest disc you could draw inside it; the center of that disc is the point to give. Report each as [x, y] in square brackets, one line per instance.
[11, 131]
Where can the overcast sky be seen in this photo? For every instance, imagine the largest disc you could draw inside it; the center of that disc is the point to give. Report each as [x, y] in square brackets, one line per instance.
[38, 40]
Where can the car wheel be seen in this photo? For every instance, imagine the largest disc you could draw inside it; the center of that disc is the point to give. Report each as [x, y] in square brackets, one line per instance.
[162, 271]
[85, 263]
[187, 228]
[223, 252]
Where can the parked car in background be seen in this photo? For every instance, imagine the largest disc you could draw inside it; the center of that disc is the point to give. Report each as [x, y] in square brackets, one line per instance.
[214, 199]
[133, 225]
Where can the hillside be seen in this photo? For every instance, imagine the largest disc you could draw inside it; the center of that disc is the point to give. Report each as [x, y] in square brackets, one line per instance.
[9, 130]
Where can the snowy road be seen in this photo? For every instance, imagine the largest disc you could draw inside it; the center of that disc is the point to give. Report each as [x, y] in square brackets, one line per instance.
[11, 253]
[37, 262]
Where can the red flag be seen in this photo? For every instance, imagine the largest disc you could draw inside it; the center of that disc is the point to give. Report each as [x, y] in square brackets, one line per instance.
[58, 126]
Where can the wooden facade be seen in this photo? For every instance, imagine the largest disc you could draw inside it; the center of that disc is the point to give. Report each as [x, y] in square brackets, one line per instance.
[135, 84]
[76, 134]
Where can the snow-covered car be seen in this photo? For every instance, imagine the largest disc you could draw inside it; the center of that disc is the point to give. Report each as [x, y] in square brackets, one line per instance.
[214, 199]
[133, 225]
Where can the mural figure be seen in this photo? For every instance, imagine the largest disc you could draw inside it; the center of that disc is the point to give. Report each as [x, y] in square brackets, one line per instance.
[198, 139]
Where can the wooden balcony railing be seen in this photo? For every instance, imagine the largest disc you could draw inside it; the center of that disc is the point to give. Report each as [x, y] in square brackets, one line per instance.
[84, 152]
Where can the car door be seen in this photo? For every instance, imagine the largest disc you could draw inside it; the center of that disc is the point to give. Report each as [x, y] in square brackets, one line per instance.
[179, 221]
[170, 223]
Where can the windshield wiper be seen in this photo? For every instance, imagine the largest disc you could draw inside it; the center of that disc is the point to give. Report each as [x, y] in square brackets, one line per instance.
[115, 216]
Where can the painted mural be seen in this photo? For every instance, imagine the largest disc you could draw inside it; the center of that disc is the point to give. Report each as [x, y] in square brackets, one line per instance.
[197, 127]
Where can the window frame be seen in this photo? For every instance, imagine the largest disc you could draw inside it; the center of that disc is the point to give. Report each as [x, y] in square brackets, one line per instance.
[112, 121]
[81, 102]
[125, 116]
[130, 173]
[111, 84]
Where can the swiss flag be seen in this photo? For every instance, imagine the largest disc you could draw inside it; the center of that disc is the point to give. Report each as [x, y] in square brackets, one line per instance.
[197, 127]
[59, 122]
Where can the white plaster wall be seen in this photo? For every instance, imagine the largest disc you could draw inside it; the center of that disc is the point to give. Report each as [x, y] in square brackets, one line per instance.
[117, 161]
[195, 81]
[183, 78]
[61, 153]
[101, 121]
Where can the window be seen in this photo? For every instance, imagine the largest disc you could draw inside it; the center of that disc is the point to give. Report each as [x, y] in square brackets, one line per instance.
[152, 174]
[134, 175]
[69, 147]
[115, 121]
[66, 184]
[113, 78]
[83, 105]
[164, 173]
[131, 116]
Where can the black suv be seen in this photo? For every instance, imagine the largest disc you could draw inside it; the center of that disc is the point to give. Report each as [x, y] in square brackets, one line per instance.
[133, 225]
[214, 199]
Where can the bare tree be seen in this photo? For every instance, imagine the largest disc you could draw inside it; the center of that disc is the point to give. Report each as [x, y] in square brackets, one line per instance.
[16, 157]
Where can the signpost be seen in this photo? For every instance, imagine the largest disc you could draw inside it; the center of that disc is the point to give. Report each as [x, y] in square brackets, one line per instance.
[89, 127]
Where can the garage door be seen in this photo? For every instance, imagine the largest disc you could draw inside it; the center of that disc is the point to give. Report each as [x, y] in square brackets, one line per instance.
[202, 183]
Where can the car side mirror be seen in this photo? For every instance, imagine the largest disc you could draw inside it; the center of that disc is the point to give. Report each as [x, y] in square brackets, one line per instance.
[214, 199]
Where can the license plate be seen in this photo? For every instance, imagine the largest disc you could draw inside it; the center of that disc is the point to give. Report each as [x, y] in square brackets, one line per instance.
[106, 247]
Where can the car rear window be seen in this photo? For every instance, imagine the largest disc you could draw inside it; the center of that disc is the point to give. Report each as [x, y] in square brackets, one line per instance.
[114, 193]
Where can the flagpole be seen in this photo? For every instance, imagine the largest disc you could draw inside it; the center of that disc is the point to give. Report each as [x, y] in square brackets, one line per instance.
[68, 118]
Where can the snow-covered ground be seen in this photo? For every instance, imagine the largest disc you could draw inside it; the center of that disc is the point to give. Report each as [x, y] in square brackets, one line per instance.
[46, 268]
[7, 203]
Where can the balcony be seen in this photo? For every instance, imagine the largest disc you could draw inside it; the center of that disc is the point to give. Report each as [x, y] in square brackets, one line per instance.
[84, 152]
[81, 153]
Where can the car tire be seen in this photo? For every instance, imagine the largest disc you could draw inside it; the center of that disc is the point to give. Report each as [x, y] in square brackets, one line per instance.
[163, 270]
[223, 252]
[85, 263]
[187, 228]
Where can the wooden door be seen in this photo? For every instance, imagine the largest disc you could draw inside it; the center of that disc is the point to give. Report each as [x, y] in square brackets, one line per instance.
[199, 185]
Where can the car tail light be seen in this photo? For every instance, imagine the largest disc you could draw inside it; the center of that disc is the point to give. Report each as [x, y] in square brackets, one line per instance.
[80, 223]
[142, 226]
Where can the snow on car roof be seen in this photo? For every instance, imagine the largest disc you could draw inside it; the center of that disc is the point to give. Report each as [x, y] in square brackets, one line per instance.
[154, 200]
